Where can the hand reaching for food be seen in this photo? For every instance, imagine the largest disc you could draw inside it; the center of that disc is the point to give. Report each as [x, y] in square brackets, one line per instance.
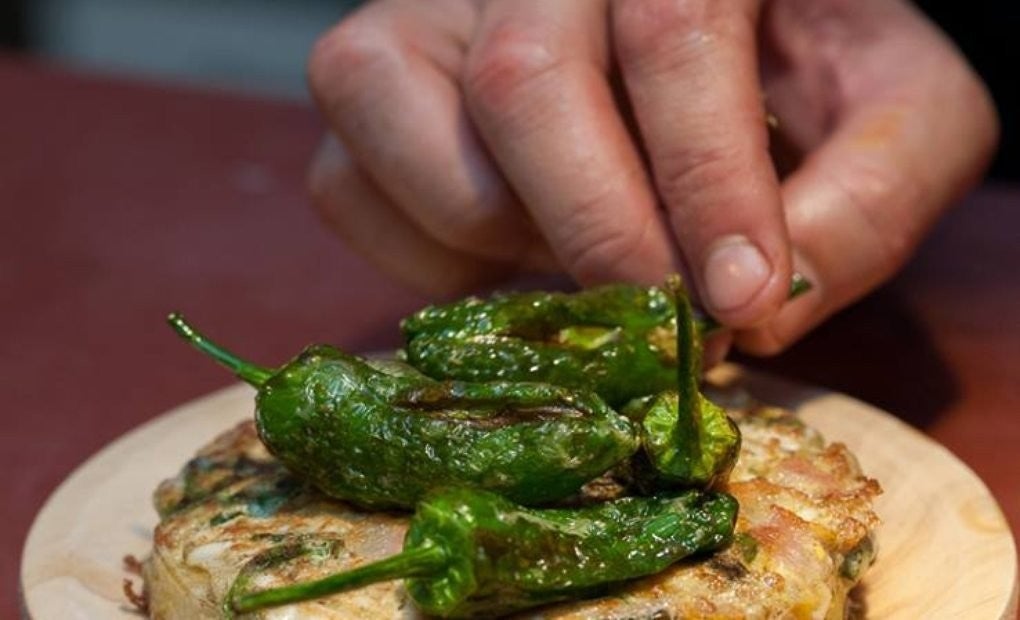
[622, 140]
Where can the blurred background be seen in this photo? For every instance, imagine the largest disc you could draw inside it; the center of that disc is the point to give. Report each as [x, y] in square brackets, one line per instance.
[256, 46]
[259, 46]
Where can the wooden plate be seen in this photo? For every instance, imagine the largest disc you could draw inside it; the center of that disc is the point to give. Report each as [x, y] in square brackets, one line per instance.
[945, 549]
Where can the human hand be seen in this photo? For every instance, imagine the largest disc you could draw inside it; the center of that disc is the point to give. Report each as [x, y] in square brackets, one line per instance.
[624, 139]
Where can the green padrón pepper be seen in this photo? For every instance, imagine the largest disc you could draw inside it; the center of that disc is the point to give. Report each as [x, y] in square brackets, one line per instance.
[381, 438]
[618, 340]
[687, 440]
[472, 553]
[614, 339]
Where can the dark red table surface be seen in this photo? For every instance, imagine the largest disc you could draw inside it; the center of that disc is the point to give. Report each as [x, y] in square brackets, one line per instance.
[120, 201]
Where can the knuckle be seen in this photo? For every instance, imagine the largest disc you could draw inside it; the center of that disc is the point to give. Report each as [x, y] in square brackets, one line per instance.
[347, 59]
[599, 255]
[644, 27]
[514, 58]
[684, 174]
[598, 247]
[640, 20]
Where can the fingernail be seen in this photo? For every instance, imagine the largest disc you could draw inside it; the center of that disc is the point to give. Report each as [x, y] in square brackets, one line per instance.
[734, 273]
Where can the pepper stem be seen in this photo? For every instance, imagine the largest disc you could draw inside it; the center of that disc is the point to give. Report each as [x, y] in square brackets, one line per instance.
[411, 563]
[248, 372]
[688, 353]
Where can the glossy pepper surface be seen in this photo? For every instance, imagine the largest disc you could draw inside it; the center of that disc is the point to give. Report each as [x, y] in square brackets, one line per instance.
[382, 436]
[687, 440]
[619, 340]
[473, 553]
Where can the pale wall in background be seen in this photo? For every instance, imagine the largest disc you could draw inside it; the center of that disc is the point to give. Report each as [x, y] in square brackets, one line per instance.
[256, 46]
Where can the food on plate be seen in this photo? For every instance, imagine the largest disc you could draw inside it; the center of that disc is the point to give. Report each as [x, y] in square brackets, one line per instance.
[686, 439]
[618, 339]
[382, 439]
[646, 492]
[383, 436]
[803, 537]
[471, 553]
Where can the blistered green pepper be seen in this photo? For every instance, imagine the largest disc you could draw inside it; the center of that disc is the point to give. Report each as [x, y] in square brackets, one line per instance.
[382, 438]
[619, 340]
[615, 339]
[687, 440]
[473, 553]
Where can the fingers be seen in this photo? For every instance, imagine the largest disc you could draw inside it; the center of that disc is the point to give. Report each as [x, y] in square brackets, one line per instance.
[912, 136]
[371, 225]
[690, 70]
[384, 80]
[536, 86]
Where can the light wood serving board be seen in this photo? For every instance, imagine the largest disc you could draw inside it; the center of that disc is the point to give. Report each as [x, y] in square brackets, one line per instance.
[945, 549]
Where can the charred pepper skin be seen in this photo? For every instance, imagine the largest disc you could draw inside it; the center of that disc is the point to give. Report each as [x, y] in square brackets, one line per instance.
[617, 340]
[687, 440]
[472, 553]
[381, 439]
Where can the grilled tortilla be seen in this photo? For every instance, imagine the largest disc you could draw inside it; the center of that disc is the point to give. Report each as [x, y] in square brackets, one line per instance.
[803, 537]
